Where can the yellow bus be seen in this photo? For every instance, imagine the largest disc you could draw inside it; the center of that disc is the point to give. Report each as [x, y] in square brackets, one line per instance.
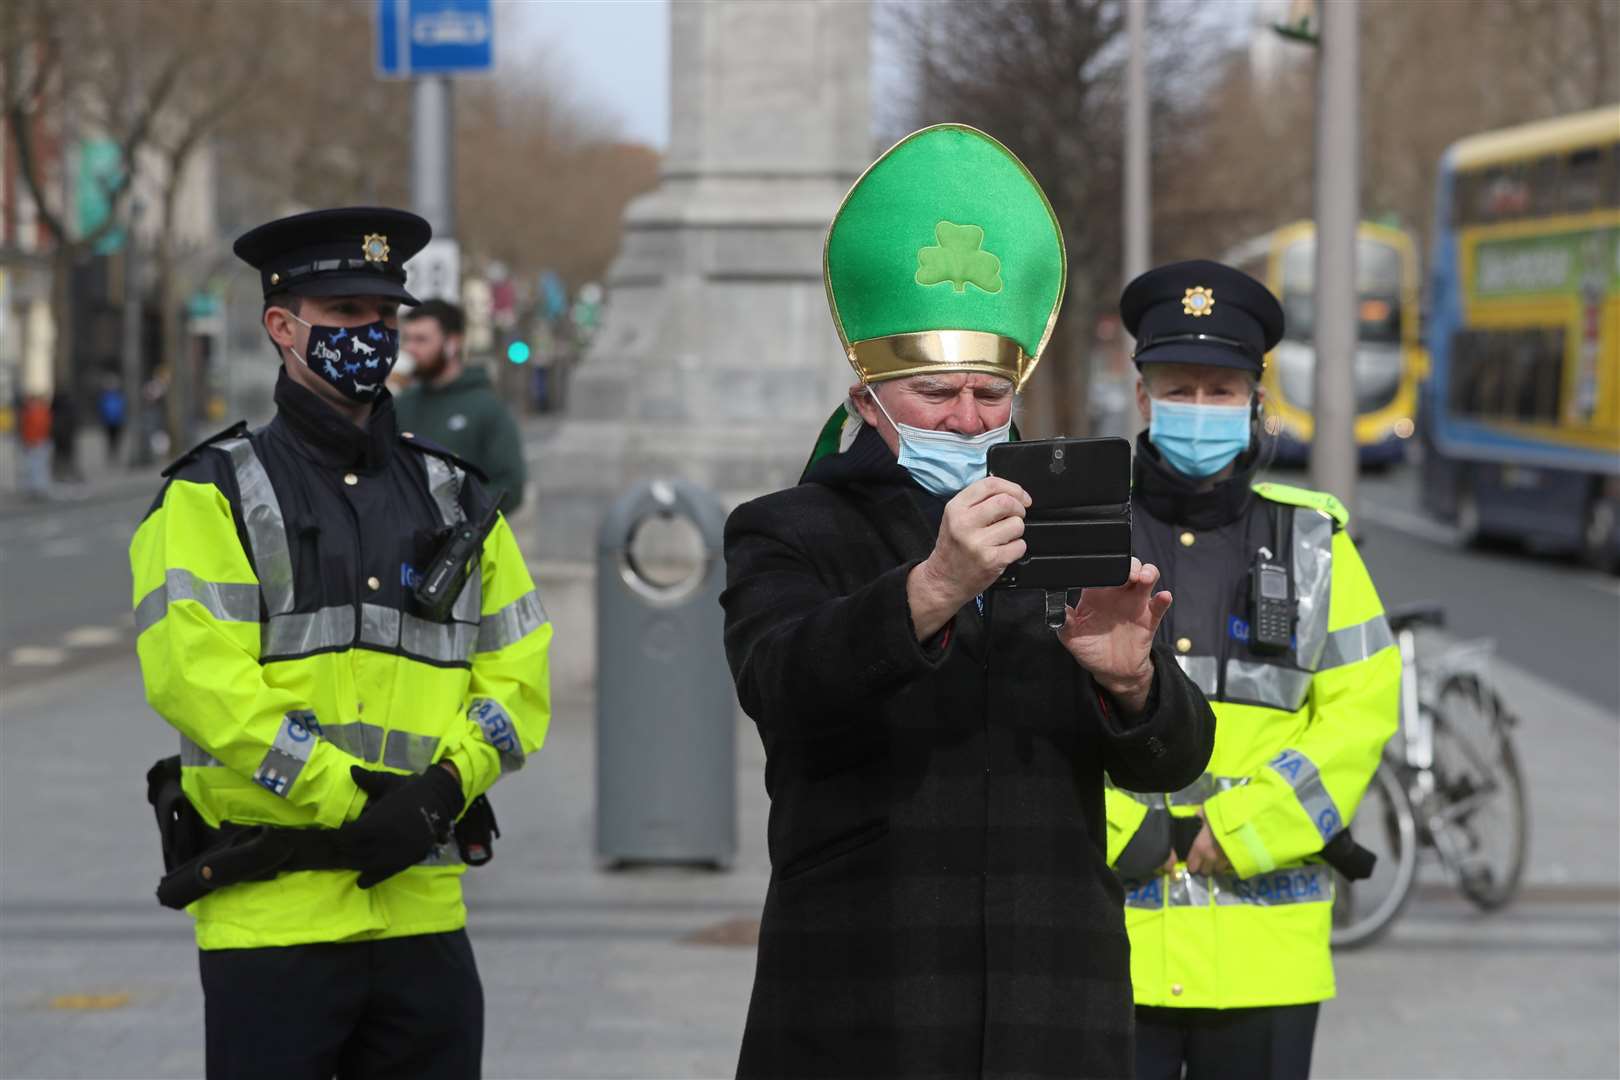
[1522, 417]
[1389, 360]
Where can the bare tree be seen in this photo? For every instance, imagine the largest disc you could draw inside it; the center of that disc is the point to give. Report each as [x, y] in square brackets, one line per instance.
[60, 59]
[1045, 77]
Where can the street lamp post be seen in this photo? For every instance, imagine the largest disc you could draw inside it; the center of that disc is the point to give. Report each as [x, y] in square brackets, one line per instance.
[1138, 193]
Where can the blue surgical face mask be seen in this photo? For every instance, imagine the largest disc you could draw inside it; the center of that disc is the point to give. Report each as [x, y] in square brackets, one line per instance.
[355, 360]
[1198, 440]
[942, 461]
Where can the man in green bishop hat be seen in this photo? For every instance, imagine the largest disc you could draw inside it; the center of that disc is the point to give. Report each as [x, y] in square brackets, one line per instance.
[939, 902]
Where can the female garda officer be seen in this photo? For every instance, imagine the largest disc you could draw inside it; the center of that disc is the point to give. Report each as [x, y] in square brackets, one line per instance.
[1228, 903]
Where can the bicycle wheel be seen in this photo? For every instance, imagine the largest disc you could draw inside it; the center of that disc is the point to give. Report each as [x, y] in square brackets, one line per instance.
[1478, 814]
[1364, 910]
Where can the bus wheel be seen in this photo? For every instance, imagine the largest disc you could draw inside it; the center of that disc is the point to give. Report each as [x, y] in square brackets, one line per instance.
[1598, 547]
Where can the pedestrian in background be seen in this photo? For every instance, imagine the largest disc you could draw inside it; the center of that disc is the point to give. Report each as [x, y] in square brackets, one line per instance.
[34, 437]
[64, 435]
[454, 404]
[1229, 901]
[111, 408]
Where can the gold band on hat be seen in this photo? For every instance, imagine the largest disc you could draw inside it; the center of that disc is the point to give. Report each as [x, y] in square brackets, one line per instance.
[898, 356]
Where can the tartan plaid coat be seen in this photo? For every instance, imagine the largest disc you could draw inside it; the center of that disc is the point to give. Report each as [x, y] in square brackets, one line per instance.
[939, 903]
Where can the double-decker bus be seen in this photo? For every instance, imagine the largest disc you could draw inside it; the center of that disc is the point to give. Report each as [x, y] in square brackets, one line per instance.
[1522, 415]
[1389, 363]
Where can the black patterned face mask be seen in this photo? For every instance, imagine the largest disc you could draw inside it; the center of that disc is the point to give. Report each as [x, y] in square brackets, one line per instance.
[354, 359]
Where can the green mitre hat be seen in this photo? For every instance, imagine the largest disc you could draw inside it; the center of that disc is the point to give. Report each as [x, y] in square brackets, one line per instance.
[945, 256]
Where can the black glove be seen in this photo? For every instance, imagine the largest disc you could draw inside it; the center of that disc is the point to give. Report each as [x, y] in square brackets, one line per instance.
[1146, 851]
[1183, 831]
[405, 818]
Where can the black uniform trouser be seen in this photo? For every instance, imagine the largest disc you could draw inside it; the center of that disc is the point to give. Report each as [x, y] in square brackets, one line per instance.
[409, 1006]
[1254, 1044]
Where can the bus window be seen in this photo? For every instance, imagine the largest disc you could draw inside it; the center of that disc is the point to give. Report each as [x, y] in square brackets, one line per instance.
[1612, 187]
[1378, 291]
[1583, 180]
[1500, 192]
[1515, 375]
[1297, 290]
[1546, 187]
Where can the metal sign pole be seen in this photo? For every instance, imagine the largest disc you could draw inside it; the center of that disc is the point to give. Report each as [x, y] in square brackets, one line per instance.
[433, 155]
[1333, 446]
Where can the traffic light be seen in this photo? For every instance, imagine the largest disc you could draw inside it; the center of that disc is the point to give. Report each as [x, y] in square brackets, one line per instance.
[518, 352]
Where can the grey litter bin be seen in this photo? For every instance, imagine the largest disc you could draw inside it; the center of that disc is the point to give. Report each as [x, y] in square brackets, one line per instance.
[666, 754]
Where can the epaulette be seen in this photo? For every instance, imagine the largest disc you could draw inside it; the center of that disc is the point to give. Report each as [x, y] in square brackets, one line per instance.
[428, 446]
[1320, 501]
[236, 430]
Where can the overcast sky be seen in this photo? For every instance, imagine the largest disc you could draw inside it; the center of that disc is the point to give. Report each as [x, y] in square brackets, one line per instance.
[614, 52]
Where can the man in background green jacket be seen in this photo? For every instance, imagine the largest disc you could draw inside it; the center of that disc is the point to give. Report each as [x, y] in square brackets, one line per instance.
[455, 405]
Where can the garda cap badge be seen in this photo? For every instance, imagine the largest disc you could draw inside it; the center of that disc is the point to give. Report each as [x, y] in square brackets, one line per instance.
[1198, 301]
[375, 246]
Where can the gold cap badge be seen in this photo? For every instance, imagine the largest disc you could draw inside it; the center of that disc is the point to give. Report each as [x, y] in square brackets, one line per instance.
[1198, 301]
[375, 246]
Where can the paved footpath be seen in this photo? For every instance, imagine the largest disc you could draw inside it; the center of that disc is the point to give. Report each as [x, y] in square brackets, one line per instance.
[596, 974]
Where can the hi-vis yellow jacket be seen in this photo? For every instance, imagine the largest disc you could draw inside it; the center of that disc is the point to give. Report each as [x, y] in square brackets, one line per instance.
[277, 632]
[1297, 739]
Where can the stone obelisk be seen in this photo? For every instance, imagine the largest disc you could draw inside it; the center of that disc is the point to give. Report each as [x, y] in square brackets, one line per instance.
[717, 360]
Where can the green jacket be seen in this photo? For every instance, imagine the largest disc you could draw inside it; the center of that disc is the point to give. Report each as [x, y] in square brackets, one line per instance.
[468, 419]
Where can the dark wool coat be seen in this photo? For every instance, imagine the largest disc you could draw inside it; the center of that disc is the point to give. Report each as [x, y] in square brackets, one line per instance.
[939, 903]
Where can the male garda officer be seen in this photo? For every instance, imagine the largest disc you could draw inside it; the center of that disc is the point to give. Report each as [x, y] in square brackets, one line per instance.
[314, 695]
[1229, 904]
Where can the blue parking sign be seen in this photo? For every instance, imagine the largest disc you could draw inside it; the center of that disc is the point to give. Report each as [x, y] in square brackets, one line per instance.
[434, 37]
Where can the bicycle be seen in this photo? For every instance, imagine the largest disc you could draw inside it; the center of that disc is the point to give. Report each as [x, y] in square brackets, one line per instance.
[1449, 784]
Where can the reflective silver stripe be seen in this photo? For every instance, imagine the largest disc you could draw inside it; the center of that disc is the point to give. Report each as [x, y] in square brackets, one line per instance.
[1205, 788]
[266, 528]
[413, 753]
[379, 625]
[1313, 580]
[444, 484]
[1152, 802]
[1302, 776]
[1296, 885]
[498, 731]
[1148, 894]
[512, 623]
[1188, 890]
[445, 642]
[362, 740]
[1267, 684]
[1356, 643]
[471, 600]
[389, 629]
[443, 855]
[225, 601]
[301, 633]
[1202, 670]
[369, 742]
[287, 754]
[195, 756]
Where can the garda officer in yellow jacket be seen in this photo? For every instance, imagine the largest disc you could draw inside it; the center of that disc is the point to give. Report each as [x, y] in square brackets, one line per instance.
[1228, 901]
[315, 695]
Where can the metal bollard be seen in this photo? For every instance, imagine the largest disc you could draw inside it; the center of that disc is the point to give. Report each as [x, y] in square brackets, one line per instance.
[666, 755]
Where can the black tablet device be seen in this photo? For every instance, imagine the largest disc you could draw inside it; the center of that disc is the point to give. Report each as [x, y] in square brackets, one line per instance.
[1078, 528]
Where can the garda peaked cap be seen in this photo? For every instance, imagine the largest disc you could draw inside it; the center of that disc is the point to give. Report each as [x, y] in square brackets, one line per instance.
[351, 251]
[1201, 312]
